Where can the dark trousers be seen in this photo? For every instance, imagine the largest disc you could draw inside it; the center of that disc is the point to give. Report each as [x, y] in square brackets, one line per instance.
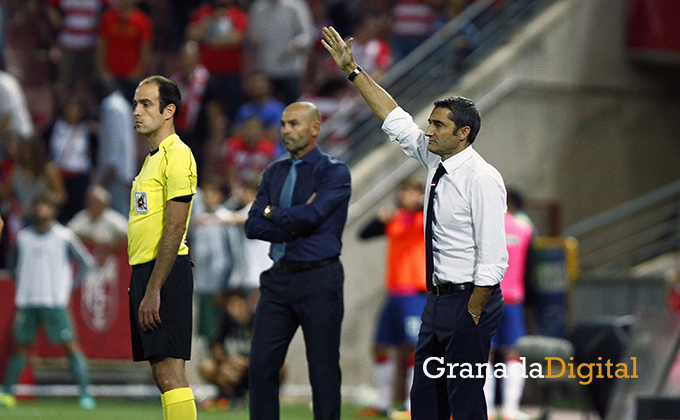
[449, 332]
[312, 299]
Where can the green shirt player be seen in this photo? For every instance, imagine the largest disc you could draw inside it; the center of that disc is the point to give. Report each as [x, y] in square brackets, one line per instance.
[161, 286]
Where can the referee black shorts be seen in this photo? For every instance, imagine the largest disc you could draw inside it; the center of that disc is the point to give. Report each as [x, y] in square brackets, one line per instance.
[173, 337]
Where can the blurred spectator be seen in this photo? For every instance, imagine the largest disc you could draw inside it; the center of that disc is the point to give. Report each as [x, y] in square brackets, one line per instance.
[280, 35]
[102, 229]
[368, 44]
[251, 254]
[399, 323]
[33, 175]
[336, 102]
[29, 38]
[260, 103]
[466, 39]
[518, 235]
[76, 22]
[45, 280]
[104, 232]
[116, 148]
[29, 44]
[124, 49]
[198, 94]
[516, 207]
[248, 154]
[227, 368]
[369, 49]
[220, 27]
[414, 22]
[15, 119]
[72, 146]
[211, 253]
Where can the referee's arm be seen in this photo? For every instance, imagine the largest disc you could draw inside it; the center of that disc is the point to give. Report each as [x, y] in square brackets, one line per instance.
[176, 214]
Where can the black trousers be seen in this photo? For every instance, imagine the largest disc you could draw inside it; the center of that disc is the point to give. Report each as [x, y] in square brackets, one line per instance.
[312, 299]
[448, 332]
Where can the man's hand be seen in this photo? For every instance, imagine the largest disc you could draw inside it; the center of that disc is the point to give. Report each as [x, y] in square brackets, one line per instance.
[380, 102]
[339, 50]
[149, 308]
[480, 295]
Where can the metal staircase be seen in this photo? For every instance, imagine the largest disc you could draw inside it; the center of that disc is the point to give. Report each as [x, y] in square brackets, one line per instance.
[631, 233]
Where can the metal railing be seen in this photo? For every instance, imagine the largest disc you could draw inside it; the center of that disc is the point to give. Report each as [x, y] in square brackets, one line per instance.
[438, 64]
[631, 233]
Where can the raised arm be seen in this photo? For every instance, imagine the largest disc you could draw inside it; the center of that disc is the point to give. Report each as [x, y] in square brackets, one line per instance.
[380, 102]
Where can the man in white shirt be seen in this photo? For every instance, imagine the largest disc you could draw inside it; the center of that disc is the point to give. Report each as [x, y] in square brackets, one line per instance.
[45, 281]
[465, 238]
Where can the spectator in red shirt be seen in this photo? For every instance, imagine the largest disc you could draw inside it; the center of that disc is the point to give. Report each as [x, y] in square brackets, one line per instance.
[124, 49]
[247, 155]
[219, 27]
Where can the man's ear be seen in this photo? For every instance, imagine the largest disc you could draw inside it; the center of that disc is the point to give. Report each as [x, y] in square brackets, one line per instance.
[169, 110]
[463, 133]
[316, 128]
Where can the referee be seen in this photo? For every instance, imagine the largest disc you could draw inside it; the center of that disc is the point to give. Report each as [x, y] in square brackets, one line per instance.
[161, 286]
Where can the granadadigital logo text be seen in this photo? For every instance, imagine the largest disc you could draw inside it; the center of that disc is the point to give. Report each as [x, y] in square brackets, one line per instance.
[434, 367]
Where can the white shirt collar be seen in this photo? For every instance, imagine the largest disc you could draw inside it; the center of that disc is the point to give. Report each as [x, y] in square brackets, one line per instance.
[458, 159]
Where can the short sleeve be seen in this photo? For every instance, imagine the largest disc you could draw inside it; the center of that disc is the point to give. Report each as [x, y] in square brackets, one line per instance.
[180, 173]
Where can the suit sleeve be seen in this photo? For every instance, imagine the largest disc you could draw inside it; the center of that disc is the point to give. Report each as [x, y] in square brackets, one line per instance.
[259, 227]
[334, 189]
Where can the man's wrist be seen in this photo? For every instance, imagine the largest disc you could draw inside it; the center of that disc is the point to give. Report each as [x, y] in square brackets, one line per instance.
[353, 75]
[349, 68]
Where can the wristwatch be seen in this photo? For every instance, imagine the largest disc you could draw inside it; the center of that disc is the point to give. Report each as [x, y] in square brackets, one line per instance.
[267, 211]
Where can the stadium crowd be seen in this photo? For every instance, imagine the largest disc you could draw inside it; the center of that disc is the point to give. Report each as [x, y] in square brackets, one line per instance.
[69, 70]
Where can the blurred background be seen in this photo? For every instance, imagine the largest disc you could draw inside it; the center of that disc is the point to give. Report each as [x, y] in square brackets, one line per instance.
[580, 101]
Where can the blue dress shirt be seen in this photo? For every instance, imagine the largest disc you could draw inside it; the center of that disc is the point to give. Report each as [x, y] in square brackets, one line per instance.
[312, 232]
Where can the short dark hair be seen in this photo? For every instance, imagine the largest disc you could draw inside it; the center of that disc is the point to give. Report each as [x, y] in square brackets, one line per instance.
[463, 112]
[168, 93]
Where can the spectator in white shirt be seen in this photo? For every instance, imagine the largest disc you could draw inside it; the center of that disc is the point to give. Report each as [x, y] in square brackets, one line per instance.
[465, 238]
[72, 143]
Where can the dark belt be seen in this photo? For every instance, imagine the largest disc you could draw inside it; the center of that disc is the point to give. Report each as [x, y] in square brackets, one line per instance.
[294, 267]
[446, 288]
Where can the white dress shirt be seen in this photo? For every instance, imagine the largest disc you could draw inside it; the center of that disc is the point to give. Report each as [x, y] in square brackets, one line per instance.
[469, 208]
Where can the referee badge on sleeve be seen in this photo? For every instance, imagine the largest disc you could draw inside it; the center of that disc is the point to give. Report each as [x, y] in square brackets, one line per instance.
[141, 203]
